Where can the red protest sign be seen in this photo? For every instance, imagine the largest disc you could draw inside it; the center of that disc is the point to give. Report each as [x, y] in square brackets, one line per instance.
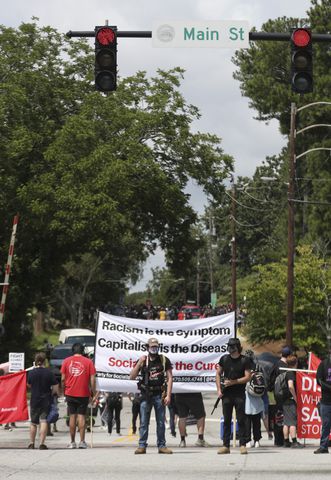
[13, 403]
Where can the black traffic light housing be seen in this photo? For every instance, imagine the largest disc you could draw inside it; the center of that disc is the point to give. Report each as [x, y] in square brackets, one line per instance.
[301, 60]
[105, 70]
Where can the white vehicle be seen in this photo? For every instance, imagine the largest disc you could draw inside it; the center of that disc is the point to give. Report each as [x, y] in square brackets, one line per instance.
[78, 335]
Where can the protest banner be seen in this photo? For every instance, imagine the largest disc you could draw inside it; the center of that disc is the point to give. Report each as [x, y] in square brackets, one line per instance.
[194, 348]
[13, 402]
[308, 395]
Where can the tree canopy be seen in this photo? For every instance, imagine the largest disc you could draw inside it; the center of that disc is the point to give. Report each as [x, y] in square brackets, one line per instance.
[92, 174]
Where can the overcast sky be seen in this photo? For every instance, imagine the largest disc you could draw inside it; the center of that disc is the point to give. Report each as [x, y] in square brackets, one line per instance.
[208, 82]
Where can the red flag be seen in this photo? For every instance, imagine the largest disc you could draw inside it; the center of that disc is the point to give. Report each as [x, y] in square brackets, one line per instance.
[13, 403]
[313, 361]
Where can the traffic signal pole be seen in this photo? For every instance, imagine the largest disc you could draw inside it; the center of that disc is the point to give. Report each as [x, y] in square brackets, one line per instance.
[290, 233]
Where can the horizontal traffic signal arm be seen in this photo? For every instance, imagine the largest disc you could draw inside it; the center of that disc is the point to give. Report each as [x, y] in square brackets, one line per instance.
[273, 36]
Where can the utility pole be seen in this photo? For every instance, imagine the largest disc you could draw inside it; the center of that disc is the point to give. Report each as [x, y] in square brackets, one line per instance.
[234, 252]
[198, 277]
[290, 231]
[211, 272]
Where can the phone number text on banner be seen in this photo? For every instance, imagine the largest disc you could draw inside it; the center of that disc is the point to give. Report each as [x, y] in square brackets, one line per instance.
[194, 348]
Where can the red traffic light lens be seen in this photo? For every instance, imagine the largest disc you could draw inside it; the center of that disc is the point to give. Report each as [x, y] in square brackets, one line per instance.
[301, 37]
[105, 36]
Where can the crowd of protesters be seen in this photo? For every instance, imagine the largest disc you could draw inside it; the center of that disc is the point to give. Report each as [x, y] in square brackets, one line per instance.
[147, 311]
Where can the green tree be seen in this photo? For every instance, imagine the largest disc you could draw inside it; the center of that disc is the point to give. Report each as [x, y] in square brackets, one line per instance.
[264, 76]
[91, 174]
[266, 301]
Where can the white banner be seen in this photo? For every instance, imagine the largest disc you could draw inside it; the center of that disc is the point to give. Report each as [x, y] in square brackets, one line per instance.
[194, 348]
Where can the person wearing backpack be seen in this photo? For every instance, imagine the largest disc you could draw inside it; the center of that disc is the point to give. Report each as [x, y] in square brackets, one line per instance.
[232, 373]
[290, 404]
[155, 386]
[254, 404]
[114, 404]
[276, 411]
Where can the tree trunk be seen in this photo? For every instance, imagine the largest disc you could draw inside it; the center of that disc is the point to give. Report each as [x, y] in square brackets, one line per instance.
[38, 323]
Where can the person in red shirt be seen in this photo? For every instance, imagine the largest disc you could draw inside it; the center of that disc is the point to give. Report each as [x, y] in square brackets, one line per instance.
[78, 383]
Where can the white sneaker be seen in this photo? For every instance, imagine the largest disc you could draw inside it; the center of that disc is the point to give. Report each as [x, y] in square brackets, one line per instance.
[249, 445]
[257, 445]
[72, 445]
[201, 443]
[82, 444]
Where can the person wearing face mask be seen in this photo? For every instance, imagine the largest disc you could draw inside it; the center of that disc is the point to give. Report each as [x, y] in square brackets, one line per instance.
[155, 386]
[232, 373]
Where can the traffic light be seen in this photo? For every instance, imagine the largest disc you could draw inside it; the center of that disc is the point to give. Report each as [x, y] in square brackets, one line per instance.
[301, 61]
[105, 71]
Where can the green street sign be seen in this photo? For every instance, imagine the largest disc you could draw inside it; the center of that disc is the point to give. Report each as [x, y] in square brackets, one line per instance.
[218, 34]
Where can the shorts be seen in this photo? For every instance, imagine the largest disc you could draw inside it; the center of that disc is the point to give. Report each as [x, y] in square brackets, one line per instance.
[38, 414]
[77, 405]
[190, 403]
[290, 414]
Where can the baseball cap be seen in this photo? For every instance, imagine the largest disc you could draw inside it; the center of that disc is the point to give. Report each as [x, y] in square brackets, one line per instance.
[234, 341]
[286, 351]
[153, 342]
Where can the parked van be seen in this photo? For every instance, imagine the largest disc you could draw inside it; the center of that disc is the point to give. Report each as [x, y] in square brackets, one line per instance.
[78, 335]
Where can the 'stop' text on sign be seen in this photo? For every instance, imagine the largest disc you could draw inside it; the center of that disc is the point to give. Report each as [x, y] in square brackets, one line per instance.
[222, 34]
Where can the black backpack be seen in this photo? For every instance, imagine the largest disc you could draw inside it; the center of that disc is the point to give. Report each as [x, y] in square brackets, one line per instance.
[114, 399]
[281, 390]
[272, 378]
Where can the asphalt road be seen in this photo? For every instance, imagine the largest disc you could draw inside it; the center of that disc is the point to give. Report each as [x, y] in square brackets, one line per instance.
[112, 457]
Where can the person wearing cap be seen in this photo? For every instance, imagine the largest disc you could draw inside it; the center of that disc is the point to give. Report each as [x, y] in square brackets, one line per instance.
[290, 405]
[278, 412]
[156, 379]
[232, 373]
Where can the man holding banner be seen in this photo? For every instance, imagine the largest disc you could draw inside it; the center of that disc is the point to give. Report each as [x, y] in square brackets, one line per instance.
[323, 377]
[155, 386]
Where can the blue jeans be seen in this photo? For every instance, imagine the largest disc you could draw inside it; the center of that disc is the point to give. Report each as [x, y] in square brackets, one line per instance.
[326, 425]
[145, 413]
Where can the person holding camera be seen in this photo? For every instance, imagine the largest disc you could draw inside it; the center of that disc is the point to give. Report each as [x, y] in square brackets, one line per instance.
[232, 373]
[155, 386]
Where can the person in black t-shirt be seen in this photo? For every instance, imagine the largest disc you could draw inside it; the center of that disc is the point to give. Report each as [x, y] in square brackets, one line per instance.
[323, 377]
[156, 379]
[233, 372]
[290, 406]
[43, 384]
